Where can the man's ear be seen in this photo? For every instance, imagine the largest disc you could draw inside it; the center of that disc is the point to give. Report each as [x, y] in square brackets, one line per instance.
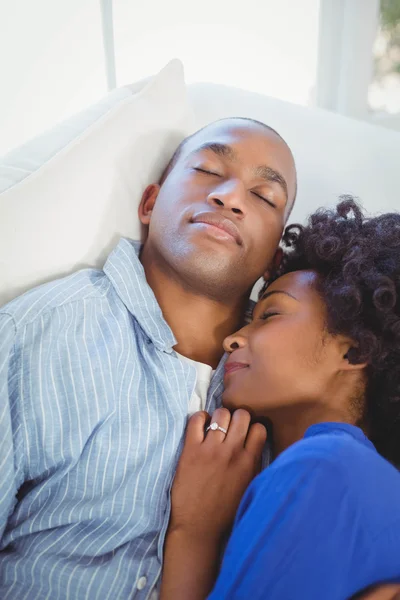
[147, 203]
[275, 263]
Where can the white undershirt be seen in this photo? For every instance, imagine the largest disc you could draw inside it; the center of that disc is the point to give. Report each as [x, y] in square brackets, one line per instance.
[197, 402]
[204, 374]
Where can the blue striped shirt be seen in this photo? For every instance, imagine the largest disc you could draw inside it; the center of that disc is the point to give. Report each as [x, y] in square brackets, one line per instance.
[93, 408]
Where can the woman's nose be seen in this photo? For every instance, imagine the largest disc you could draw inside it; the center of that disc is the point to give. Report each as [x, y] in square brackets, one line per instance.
[235, 341]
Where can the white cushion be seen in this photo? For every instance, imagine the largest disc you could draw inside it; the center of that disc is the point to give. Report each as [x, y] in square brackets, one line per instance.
[334, 154]
[72, 192]
[67, 196]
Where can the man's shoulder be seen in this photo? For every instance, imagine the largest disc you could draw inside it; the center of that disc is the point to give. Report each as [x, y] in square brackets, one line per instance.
[74, 289]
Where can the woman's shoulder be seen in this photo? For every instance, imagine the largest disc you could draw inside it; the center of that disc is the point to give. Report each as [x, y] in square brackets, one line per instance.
[338, 458]
[337, 446]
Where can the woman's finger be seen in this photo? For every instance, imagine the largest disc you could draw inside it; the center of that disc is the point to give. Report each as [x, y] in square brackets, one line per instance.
[196, 427]
[256, 439]
[238, 428]
[221, 418]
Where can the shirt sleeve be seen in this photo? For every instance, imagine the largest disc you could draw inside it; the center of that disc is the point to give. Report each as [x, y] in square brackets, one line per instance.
[294, 537]
[9, 433]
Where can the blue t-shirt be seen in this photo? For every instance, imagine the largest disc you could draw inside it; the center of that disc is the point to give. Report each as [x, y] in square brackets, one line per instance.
[321, 523]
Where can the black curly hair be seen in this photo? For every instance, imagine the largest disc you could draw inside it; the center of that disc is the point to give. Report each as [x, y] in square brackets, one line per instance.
[357, 260]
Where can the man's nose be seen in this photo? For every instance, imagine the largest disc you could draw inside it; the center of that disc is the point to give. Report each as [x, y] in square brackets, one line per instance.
[230, 195]
[235, 341]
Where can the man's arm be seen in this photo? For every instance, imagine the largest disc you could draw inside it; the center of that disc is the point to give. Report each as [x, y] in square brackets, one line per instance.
[8, 464]
[382, 592]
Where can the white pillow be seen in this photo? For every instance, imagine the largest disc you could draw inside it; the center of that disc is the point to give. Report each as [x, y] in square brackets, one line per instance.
[67, 197]
[334, 154]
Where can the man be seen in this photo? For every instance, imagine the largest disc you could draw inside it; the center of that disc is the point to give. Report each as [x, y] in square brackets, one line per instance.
[99, 371]
[382, 592]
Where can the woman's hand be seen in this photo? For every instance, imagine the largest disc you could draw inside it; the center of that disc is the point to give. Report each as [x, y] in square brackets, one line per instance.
[213, 473]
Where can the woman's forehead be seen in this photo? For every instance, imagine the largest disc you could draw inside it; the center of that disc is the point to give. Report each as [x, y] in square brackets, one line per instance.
[297, 290]
[298, 284]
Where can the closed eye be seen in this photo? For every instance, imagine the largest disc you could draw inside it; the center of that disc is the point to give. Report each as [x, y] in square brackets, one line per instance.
[206, 171]
[265, 199]
[268, 315]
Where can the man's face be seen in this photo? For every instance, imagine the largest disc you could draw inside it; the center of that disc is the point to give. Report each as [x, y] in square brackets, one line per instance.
[216, 221]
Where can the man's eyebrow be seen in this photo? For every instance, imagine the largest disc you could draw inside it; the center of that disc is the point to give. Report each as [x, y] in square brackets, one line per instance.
[271, 175]
[272, 292]
[218, 148]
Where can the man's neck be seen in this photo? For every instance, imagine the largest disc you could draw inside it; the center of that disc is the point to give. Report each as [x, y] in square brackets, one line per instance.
[199, 324]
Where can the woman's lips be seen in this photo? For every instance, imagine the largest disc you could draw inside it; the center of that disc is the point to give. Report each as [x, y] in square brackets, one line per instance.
[234, 366]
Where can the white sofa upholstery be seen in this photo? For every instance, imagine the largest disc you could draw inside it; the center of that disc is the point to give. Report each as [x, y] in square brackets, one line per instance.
[334, 156]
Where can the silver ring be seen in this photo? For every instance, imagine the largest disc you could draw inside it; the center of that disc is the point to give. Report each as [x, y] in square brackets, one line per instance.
[215, 427]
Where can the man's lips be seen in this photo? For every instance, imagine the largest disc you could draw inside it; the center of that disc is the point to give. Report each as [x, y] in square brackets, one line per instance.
[223, 223]
[234, 366]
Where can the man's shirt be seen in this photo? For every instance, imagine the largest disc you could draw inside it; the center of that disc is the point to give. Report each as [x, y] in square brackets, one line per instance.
[204, 373]
[93, 408]
[321, 523]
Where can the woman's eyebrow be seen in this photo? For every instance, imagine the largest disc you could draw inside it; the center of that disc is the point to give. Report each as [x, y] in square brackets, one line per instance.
[268, 294]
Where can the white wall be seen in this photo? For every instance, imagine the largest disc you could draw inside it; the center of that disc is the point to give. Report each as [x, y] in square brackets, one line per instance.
[51, 64]
[267, 46]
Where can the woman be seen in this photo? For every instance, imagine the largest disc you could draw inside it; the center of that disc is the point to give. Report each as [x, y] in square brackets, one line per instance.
[320, 362]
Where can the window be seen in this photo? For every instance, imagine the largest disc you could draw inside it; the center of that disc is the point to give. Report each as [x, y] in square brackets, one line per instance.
[266, 46]
[384, 90]
[59, 57]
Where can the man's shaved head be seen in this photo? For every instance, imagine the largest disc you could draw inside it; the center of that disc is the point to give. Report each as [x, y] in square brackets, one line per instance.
[216, 217]
[175, 157]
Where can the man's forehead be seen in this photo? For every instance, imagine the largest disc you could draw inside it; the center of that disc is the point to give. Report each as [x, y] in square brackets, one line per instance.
[230, 131]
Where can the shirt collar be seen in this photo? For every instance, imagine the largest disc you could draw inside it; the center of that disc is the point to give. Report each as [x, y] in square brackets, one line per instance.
[126, 273]
[355, 432]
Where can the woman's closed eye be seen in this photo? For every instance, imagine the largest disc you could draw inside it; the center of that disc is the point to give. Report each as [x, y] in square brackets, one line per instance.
[267, 315]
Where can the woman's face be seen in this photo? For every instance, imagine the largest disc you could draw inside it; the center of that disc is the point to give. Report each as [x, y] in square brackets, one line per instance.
[285, 358]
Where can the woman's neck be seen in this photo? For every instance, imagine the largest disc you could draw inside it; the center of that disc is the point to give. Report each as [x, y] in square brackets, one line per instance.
[336, 404]
[291, 425]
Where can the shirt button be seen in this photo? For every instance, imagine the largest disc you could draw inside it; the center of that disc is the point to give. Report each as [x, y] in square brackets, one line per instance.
[141, 583]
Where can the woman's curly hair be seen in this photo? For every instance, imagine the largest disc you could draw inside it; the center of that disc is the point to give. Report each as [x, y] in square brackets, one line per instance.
[357, 260]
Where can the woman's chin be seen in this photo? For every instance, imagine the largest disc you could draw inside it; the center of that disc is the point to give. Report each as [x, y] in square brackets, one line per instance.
[231, 402]
[228, 400]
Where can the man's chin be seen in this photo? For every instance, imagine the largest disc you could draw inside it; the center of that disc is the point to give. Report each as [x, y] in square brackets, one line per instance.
[216, 273]
[206, 244]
